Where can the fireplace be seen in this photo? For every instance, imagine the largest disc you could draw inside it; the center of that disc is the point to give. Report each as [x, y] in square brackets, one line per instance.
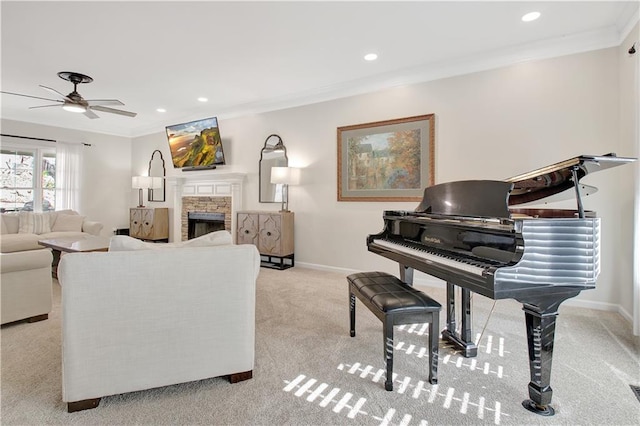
[201, 223]
[207, 209]
[210, 192]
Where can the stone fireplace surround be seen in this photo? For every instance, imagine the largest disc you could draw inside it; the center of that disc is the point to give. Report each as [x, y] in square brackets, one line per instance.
[210, 191]
[204, 204]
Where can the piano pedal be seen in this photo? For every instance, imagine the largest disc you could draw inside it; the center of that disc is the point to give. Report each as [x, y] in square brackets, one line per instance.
[546, 410]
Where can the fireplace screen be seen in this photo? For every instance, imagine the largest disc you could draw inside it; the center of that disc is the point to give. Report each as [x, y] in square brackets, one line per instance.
[201, 223]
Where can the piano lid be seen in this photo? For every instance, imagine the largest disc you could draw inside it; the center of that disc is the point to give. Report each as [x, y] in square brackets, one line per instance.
[556, 178]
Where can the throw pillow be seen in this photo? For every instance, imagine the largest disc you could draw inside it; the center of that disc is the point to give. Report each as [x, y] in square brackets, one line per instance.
[125, 243]
[68, 223]
[10, 223]
[33, 223]
[5, 228]
[217, 238]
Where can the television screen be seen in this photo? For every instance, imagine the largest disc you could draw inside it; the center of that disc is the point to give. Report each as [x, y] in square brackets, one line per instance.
[196, 144]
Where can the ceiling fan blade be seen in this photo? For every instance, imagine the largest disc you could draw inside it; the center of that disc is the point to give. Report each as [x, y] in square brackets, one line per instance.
[113, 111]
[44, 106]
[99, 102]
[29, 96]
[91, 114]
[54, 91]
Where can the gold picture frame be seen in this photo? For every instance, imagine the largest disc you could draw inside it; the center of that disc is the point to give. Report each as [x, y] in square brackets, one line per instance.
[390, 160]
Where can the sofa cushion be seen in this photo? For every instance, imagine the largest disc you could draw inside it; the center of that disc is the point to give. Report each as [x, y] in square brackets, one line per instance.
[68, 223]
[125, 243]
[33, 223]
[66, 234]
[19, 242]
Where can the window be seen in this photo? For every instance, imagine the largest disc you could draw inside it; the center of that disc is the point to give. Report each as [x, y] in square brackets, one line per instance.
[27, 179]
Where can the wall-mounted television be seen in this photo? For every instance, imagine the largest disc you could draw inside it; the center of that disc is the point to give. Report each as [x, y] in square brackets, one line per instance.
[196, 145]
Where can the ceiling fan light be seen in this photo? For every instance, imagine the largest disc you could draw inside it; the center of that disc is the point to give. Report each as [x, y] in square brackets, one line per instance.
[74, 108]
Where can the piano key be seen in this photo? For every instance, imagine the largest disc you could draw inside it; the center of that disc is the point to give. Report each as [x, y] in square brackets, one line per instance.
[476, 270]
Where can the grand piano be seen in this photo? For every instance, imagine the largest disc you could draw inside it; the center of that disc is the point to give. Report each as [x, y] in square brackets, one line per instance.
[471, 235]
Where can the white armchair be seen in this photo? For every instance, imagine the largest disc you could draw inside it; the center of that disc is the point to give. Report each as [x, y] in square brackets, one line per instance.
[134, 320]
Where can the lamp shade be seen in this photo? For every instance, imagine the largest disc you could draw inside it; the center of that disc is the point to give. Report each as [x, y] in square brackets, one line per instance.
[141, 182]
[285, 175]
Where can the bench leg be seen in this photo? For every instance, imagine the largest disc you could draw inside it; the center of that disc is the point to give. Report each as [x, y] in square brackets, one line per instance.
[388, 351]
[434, 340]
[352, 314]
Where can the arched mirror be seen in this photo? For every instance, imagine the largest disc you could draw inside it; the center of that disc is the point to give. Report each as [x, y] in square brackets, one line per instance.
[273, 154]
[156, 169]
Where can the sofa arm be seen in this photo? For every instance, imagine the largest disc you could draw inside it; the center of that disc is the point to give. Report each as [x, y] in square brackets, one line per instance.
[92, 227]
[25, 260]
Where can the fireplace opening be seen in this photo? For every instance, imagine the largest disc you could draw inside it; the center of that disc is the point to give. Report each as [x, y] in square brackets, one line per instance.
[201, 223]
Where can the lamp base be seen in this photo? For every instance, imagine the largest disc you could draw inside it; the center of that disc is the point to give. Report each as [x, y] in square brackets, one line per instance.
[140, 198]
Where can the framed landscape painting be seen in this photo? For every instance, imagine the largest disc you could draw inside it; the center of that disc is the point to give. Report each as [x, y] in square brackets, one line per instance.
[389, 160]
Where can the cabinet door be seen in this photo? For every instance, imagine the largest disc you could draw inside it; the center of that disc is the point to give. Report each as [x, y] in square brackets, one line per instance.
[135, 223]
[147, 230]
[269, 241]
[247, 229]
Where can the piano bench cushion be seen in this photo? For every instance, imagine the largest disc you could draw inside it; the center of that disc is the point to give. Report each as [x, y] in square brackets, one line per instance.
[388, 294]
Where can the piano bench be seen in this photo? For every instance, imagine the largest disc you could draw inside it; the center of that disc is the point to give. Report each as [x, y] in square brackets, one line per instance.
[395, 303]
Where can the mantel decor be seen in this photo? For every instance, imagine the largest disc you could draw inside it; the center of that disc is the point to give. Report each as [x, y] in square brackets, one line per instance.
[389, 160]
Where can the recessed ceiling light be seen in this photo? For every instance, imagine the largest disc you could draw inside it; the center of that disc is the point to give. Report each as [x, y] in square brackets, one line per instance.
[161, 110]
[370, 57]
[531, 16]
[203, 99]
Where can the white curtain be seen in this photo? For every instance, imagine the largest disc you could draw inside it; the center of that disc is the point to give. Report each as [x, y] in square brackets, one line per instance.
[68, 171]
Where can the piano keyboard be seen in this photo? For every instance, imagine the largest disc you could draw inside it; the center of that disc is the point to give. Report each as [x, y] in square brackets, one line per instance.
[432, 257]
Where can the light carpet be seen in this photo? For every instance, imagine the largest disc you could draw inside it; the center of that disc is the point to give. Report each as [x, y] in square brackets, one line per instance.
[308, 370]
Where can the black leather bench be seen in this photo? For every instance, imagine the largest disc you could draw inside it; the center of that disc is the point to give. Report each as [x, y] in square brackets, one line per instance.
[395, 303]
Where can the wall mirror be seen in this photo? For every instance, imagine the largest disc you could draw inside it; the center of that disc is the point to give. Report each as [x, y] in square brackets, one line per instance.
[273, 154]
[156, 169]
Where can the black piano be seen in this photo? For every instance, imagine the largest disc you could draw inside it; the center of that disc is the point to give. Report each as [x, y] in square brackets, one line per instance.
[468, 234]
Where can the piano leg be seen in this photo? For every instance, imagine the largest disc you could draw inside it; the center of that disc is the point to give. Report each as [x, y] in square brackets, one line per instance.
[540, 321]
[463, 341]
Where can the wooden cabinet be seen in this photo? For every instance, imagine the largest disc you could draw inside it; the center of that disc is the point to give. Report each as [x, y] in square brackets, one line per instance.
[149, 223]
[271, 232]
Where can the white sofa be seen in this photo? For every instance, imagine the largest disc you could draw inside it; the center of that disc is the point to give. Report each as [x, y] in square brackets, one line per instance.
[17, 236]
[25, 266]
[135, 320]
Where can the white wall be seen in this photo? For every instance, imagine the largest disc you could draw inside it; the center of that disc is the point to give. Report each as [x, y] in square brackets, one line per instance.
[489, 125]
[106, 170]
[629, 72]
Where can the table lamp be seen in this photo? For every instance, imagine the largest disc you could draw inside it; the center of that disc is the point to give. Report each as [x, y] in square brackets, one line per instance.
[140, 183]
[285, 176]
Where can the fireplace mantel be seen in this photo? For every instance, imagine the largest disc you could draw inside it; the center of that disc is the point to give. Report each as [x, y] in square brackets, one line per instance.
[206, 184]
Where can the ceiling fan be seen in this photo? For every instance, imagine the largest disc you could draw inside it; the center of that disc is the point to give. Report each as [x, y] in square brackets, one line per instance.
[74, 102]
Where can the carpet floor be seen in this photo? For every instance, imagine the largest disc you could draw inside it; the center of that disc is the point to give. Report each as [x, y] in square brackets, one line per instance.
[308, 371]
